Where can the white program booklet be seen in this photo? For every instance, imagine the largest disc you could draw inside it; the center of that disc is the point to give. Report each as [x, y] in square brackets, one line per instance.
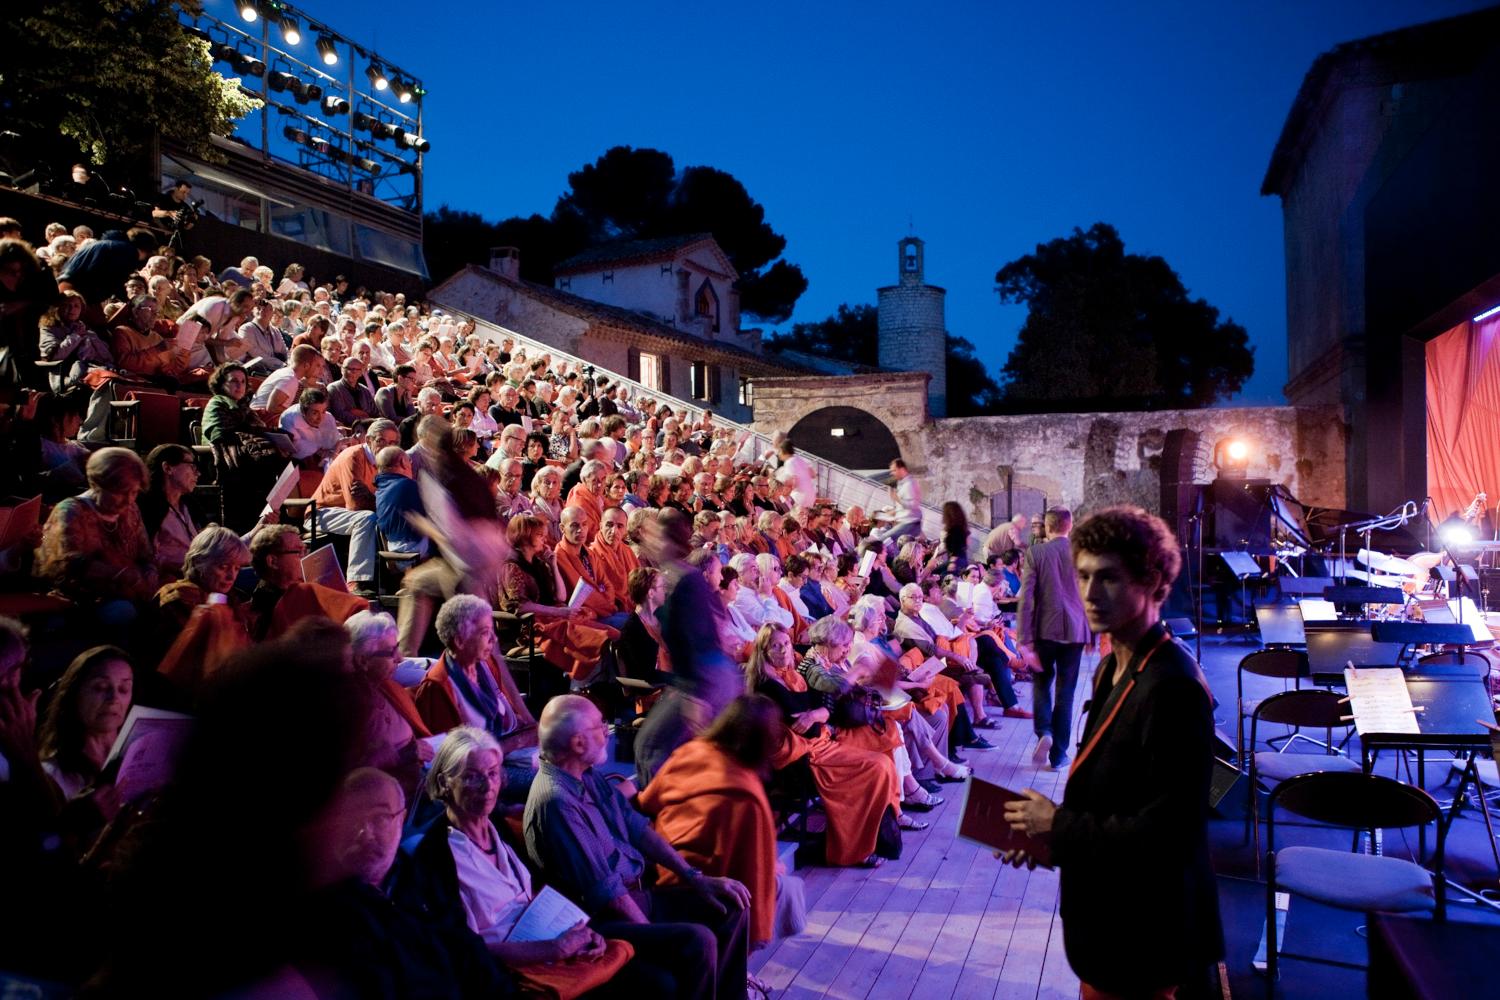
[147, 748]
[581, 593]
[547, 917]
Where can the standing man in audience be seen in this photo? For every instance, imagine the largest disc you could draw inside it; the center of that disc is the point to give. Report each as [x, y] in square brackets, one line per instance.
[1052, 629]
[281, 388]
[797, 473]
[593, 846]
[1138, 900]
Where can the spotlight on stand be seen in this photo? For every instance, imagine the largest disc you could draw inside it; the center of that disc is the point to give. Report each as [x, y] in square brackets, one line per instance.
[248, 65]
[403, 90]
[1232, 457]
[377, 76]
[328, 51]
[290, 32]
[280, 80]
[295, 134]
[1456, 535]
[335, 105]
[410, 140]
[249, 9]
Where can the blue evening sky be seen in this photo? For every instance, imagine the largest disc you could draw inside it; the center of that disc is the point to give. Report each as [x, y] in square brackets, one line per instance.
[985, 127]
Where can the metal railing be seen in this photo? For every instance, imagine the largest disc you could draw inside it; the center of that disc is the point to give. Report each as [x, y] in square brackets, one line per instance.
[844, 487]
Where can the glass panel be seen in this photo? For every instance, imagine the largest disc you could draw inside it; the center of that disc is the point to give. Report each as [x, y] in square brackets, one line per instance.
[312, 226]
[651, 371]
[372, 244]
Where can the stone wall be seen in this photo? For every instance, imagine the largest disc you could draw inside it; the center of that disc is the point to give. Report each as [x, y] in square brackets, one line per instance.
[913, 336]
[1090, 460]
[897, 399]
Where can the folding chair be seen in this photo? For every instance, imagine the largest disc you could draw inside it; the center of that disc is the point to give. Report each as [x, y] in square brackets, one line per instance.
[1286, 664]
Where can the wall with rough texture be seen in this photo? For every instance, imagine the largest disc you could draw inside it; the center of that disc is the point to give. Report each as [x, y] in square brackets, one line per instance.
[1090, 460]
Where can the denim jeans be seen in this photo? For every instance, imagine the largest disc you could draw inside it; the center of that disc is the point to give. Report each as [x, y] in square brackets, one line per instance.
[1059, 662]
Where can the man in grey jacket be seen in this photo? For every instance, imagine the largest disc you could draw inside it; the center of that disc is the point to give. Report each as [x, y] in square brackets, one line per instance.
[1052, 630]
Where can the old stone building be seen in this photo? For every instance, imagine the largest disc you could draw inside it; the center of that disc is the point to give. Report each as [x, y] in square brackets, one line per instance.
[913, 333]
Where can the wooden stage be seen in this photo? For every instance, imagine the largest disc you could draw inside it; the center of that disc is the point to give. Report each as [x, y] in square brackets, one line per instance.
[947, 919]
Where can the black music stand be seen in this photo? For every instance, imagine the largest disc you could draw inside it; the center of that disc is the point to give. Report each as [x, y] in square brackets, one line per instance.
[1280, 625]
[1331, 646]
[1410, 634]
[1242, 566]
[1449, 707]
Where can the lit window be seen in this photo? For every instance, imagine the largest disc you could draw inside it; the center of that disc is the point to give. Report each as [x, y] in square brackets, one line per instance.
[747, 392]
[837, 432]
[651, 372]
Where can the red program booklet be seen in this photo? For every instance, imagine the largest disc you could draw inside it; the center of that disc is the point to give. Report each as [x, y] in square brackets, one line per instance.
[983, 822]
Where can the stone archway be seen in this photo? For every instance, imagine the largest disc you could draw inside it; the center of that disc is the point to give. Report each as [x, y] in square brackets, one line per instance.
[847, 436]
[897, 399]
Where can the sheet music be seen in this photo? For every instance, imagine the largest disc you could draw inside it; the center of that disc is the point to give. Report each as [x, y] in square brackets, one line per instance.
[547, 917]
[285, 483]
[1379, 700]
[581, 593]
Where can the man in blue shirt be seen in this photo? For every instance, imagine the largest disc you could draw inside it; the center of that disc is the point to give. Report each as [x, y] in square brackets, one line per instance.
[396, 495]
[593, 847]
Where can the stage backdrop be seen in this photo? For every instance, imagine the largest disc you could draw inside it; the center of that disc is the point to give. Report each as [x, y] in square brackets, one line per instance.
[1463, 416]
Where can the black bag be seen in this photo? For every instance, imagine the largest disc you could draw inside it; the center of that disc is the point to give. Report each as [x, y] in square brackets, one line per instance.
[859, 706]
[888, 837]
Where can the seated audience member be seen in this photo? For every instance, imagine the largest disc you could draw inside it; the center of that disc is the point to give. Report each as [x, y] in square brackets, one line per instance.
[350, 482]
[427, 443]
[248, 464]
[87, 709]
[276, 554]
[304, 367]
[510, 443]
[738, 632]
[94, 548]
[139, 348]
[709, 802]
[315, 435]
[976, 654]
[546, 487]
[857, 784]
[802, 588]
[588, 496]
[470, 685]
[468, 874]
[396, 496]
[531, 584]
[429, 404]
[394, 742]
[577, 567]
[612, 558]
[592, 846]
[66, 339]
[640, 650]
[394, 401]
[349, 398]
[510, 500]
[60, 458]
[375, 943]
[262, 346]
[167, 508]
[753, 600]
[210, 567]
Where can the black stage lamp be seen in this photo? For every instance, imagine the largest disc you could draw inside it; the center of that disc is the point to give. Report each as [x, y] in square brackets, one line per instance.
[249, 9]
[297, 135]
[363, 122]
[291, 33]
[280, 80]
[328, 51]
[410, 140]
[403, 90]
[377, 76]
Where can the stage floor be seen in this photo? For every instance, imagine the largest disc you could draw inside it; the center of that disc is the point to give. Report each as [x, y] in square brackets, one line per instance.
[948, 920]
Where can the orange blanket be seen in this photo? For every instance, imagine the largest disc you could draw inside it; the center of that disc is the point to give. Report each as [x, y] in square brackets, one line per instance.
[302, 600]
[714, 810]
[214, 632]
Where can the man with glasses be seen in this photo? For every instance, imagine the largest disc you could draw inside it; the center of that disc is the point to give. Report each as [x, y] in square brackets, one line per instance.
[395, 400]
[276, 554]
[349, 399]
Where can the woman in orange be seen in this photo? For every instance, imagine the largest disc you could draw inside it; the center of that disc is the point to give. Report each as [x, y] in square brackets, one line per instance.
[857, 782]
[531, 584]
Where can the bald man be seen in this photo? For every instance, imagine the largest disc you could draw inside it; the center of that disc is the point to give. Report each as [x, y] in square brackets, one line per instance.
[593, 846]
[577, 565]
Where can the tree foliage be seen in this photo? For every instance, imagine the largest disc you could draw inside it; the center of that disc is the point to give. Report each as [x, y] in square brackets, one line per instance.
[629, 194]
[108, 75]
[853, 334]
[1107, 329]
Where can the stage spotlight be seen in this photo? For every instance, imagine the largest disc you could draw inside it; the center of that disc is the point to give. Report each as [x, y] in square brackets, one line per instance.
[335, 105]
[368, 166]
[296, 135]
[249, 9]
[1238, 451]
[377, 76]
[363, 122]
[319, 143]
[248, 65]
[1456, 535]
[410, 140]
[290, 32]
[312, 93]
[403, 90]
[328, 50]
[1232, 456]
[280, 80]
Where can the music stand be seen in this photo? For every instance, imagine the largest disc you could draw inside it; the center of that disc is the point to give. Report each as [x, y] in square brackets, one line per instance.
[1280, 625]
[1330, 649]
[1242, 566]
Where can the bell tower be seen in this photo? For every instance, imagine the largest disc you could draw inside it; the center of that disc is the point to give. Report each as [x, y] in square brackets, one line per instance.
[913, 331]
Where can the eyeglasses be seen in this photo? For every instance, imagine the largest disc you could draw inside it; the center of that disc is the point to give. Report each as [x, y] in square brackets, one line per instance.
[291, 552]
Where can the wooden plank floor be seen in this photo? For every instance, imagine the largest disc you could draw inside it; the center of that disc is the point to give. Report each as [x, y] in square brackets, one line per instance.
[947, 919]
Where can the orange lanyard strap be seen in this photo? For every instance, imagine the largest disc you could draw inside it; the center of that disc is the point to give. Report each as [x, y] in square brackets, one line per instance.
[1119, 703]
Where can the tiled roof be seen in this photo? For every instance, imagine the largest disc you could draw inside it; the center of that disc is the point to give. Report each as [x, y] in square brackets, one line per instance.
[631, 252]
[626, 320]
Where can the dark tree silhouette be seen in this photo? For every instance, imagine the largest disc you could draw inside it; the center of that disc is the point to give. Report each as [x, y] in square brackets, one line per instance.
[630, 194]
[1107, 329]
[852, 334]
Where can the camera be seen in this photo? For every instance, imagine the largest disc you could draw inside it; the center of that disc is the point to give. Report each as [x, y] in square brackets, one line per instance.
[188, 214]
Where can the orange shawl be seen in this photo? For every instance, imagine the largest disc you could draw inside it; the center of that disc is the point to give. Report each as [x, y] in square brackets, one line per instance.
[714, 810]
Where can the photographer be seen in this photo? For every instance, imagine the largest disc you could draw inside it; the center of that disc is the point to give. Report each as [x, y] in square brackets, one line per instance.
[173, 205]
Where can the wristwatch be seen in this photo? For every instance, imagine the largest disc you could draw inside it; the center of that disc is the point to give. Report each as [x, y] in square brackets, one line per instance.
[692, 873]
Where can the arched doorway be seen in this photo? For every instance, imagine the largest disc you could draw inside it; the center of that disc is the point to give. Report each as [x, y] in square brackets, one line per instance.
[846, 436]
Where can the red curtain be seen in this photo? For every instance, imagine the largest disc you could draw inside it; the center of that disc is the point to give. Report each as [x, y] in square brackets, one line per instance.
[1463, 416]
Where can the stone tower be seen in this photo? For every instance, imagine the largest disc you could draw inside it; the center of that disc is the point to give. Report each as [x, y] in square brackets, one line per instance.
[913, 335]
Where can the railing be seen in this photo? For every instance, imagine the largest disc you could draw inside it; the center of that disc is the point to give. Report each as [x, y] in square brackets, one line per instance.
[844, 487]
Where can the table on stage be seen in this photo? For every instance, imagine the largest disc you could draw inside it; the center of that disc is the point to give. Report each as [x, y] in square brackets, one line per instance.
[1418, 958]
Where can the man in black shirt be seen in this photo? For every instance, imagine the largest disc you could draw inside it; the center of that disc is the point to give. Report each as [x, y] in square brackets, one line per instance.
[172, 201]
[98, 271]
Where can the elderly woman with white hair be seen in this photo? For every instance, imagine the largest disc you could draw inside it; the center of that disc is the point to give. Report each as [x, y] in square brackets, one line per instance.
[470, 685]
[546, 490]
[395, 734]
[466, 873]
[756, 606]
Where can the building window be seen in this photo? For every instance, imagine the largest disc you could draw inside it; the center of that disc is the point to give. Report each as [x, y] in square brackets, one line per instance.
[698, 380]
[747, 392]
[706, 304]
[651, 372]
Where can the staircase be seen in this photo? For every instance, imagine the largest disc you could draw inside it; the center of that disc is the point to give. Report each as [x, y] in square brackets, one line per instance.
[843, 487]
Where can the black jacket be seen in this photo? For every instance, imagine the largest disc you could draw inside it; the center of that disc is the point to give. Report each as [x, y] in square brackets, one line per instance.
[1138, 901]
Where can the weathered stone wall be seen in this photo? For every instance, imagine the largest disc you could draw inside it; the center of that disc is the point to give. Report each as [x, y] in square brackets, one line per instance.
[1091, 460]
[898, 399]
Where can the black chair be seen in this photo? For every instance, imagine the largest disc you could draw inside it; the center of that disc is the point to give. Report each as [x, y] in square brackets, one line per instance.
[1313, 708]
[1458, 661]
[121, 427]
[1348, 880]
[539, 681]
[1285, 664]
[390, 567]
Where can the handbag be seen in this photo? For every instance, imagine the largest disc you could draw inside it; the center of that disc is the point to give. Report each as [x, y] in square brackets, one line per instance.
[859, 706]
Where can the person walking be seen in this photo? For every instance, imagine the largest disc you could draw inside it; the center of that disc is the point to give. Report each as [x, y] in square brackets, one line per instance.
[1051, 630]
